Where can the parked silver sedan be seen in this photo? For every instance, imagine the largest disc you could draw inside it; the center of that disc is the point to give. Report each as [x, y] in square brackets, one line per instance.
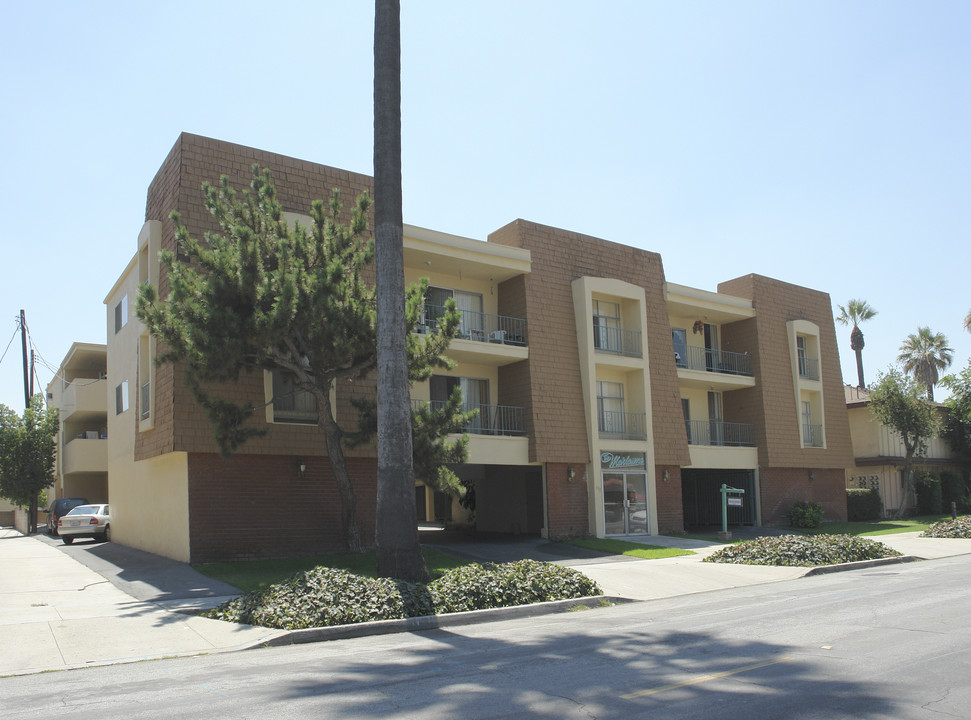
[92, 521]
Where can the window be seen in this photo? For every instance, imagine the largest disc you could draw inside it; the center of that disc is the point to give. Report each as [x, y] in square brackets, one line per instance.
[475, 396]
[470, 305]
[610, 406]
[290, 403]
[679, 338]
[121, 398]
[121, 314]
[715, 425]
[606, 325]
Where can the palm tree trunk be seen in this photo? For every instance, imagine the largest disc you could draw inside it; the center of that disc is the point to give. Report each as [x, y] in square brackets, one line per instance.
[396, 530]
[857, 344]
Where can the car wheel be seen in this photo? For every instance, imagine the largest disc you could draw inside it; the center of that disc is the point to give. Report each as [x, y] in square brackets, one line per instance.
[67, 540]
[107, 536]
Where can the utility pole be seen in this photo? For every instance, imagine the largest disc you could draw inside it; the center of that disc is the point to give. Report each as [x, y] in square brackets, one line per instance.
[23, 342]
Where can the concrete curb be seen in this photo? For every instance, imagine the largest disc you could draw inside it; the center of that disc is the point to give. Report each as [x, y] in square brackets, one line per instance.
[432, 622]
[860, 565]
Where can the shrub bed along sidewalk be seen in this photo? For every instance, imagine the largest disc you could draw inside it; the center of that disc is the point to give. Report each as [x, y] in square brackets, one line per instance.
[323, 596]
[960, 528]
[803, 551]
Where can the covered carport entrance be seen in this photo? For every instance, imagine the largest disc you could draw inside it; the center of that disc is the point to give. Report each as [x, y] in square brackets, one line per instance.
[701, 497]
[508, 499]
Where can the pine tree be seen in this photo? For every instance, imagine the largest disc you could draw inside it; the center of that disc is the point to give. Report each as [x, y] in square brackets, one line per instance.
[260, 294]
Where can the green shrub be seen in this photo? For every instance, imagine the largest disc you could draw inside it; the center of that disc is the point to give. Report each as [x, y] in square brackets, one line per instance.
[477, 587]
[323, 596]
[805, 514]
[928, 486]
[960, 528]
[954, 489]
[802, 551]
[863, 504]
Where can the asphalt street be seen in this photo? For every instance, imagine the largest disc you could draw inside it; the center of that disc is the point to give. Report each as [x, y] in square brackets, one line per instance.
[883, 642]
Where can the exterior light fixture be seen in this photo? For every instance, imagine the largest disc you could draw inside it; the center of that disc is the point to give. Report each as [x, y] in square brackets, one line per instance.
[570, 473]
[301, 468]
[812, 476]
[665, 476]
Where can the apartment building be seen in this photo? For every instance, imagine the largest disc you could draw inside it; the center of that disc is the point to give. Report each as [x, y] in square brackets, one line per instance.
[79, 391]
[611, 402]
[879, 453]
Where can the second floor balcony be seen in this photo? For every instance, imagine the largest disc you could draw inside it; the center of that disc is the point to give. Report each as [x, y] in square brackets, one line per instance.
[812, 435]
[477, 326]
[808, 367]
[502, 420]
[719, 361]
[617, 340]
[719, 433]
[622, 425]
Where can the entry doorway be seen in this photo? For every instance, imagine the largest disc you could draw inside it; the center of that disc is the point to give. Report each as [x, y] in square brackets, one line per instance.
[625, 503]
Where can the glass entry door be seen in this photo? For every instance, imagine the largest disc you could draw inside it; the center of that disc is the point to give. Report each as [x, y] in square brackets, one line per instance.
[625, 503]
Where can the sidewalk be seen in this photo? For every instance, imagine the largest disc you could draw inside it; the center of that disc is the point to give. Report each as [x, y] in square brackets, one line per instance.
[101, 603]
[56, 613]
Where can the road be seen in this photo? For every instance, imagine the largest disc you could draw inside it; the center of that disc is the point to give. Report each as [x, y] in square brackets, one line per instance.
[888, 642]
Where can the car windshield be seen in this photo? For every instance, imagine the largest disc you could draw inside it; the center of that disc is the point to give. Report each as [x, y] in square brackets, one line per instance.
[85, 510]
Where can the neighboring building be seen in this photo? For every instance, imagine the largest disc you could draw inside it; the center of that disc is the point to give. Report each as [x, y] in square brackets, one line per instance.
[611, 401]
[79, 391]
[879, 453]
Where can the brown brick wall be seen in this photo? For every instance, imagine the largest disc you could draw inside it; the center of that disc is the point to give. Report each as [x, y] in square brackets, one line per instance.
[781, 488]
[771, 405]
[670, 512]
[566, 502]
[257, 507]
[180, 424]
[559, 257]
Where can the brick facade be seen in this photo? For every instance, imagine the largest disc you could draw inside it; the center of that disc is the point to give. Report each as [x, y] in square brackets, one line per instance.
[781, 488]
[252, 507]
[670, 513]
[567, 513]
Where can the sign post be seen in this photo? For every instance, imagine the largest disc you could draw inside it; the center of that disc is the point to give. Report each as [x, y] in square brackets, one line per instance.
[726, 501]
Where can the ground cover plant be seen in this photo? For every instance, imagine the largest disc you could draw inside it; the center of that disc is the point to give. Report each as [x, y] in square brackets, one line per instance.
[631, 549]
[802, 551]
[251, 575]
[322, 596]
[959, 528]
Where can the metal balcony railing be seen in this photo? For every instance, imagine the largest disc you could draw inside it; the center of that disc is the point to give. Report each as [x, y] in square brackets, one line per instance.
[719, 433]
[477, 326]
[617, 340]
[809, 368]
[145, 411]
[719, 361]
[505, 420]
[812, 435]
[622, 425]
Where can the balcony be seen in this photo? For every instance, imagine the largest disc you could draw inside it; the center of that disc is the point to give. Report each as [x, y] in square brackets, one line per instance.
[85, 398]
[717, 433]
[499, 420]
[86, 454]
[622, 425]
[809, 368]
[617, 340]
[812, 435]
[477, 326]
[146, 401]
[718, 361]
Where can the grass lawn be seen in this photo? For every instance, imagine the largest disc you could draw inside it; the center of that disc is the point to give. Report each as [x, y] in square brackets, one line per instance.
[877, 527]
[249, 575]
[623, 547]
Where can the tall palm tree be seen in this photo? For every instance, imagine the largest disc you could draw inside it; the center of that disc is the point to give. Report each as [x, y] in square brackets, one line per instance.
[856, 312]
[396, 519]
[924, 355]
[967, 321]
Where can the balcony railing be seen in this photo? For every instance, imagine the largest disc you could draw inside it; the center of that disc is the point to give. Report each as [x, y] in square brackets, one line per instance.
[720, 361]
[477, 326]
[812, 435]
[719, 433]
[505, 420]
[622, 425]
[809, 368]
[617, 340]
[146, 400]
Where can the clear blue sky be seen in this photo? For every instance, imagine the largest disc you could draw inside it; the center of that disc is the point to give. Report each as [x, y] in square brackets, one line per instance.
[825, 143]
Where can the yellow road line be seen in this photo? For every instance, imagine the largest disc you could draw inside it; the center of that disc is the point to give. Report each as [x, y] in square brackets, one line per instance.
[703, 678]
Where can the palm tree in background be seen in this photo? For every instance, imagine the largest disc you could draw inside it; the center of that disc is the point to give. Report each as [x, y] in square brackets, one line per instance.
[967, 321]
[924, 355]
[856, 312]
